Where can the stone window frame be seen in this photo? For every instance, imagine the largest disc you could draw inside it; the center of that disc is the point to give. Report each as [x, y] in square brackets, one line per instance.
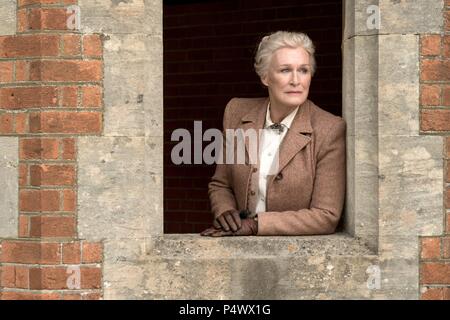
[360, 215]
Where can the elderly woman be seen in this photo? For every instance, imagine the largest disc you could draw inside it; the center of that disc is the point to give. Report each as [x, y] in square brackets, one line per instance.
[305, 194]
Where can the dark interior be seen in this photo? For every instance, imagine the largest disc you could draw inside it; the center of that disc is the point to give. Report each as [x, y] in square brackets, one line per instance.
[208, 59]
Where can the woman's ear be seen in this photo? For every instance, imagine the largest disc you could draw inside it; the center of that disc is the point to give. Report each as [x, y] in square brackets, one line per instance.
[264, 81]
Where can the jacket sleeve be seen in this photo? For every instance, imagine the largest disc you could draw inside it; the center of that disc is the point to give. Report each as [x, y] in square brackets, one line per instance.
[327, 198]
[220, 190]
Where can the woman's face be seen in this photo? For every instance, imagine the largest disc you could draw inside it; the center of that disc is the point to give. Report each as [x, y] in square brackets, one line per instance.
[288, 77]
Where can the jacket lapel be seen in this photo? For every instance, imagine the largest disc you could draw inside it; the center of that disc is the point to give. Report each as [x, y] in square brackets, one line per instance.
[254, 120]
[297, 137]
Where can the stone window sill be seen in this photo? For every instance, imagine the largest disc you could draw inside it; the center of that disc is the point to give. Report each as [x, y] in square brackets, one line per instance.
[196, 246]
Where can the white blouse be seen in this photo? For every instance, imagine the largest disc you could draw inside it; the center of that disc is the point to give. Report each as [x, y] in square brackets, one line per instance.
[268, 154]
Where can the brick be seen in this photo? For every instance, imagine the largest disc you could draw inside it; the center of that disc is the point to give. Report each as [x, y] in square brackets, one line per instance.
[435, 273]
[38, 148]
[446, 247]
[431, 45]
[48, 278]
[36, 45]
[446, 293]
[447, 223]
[92, 45]
[52, 175]
[92, 252]
[447, 198]
[433, 294]
[66, 122]
[435, 70]
[447, 147]
[92, 296]
[47, 19]
[22, 20]
[447, 20]
[446, 96]
[28, 97]
[14, 277]
[34, 122]
[21, 123]
[39, 200]
[52, 226]
[92, 97]
[22, 3]
[435, 120]
[8, 295]
[30, 252]
[71, 45]
[23, 175]
[66, 70]
[6, 123]
[91, 278]
[22, 70]
[430, 95]
[21, 277]
[6, 71]
[446, 46]
[431, 248]
[69, 200]
[24, 226]
[69, 149]
[8, 276]
[69, 97]
[447, 176]
[72, 253]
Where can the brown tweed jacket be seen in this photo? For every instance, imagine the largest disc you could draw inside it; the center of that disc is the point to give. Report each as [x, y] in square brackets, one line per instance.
[307, 195]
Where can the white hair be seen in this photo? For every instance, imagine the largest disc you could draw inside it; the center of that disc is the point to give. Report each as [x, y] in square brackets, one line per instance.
[282, 39]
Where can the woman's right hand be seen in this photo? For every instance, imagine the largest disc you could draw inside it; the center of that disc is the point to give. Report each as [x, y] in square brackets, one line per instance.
[229, 220]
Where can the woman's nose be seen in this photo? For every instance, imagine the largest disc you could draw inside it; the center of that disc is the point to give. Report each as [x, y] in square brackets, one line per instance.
[294, 79]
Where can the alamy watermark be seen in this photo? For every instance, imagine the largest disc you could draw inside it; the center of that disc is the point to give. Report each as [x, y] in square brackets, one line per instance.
[235, 146]
[373, 21]
[74, 279]
[74, 20]
[374, 280]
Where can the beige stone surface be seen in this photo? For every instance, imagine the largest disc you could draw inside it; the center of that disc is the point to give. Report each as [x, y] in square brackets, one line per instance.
[9, 162]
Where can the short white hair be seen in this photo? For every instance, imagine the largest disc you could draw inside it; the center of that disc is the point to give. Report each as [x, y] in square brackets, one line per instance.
[282, 39]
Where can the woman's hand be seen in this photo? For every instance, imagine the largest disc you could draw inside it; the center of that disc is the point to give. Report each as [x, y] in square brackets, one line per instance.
[249, 227]
[228, 221]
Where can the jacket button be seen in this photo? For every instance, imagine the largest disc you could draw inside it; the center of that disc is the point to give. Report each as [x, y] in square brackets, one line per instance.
[252, 193]
[279, 176]
[255, 169]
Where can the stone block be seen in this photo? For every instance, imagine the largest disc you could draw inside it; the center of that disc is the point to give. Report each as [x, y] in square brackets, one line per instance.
[9, 162]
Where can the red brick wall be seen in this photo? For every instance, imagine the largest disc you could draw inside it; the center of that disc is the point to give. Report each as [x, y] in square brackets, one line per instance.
[51, 92]
[208, 58]
[435, 119]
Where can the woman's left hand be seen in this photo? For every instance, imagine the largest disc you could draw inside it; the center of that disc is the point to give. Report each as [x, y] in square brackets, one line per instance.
[249, 227]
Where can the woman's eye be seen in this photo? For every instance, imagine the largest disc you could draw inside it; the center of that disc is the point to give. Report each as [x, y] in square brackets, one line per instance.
[284, 70]
[304, 70]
